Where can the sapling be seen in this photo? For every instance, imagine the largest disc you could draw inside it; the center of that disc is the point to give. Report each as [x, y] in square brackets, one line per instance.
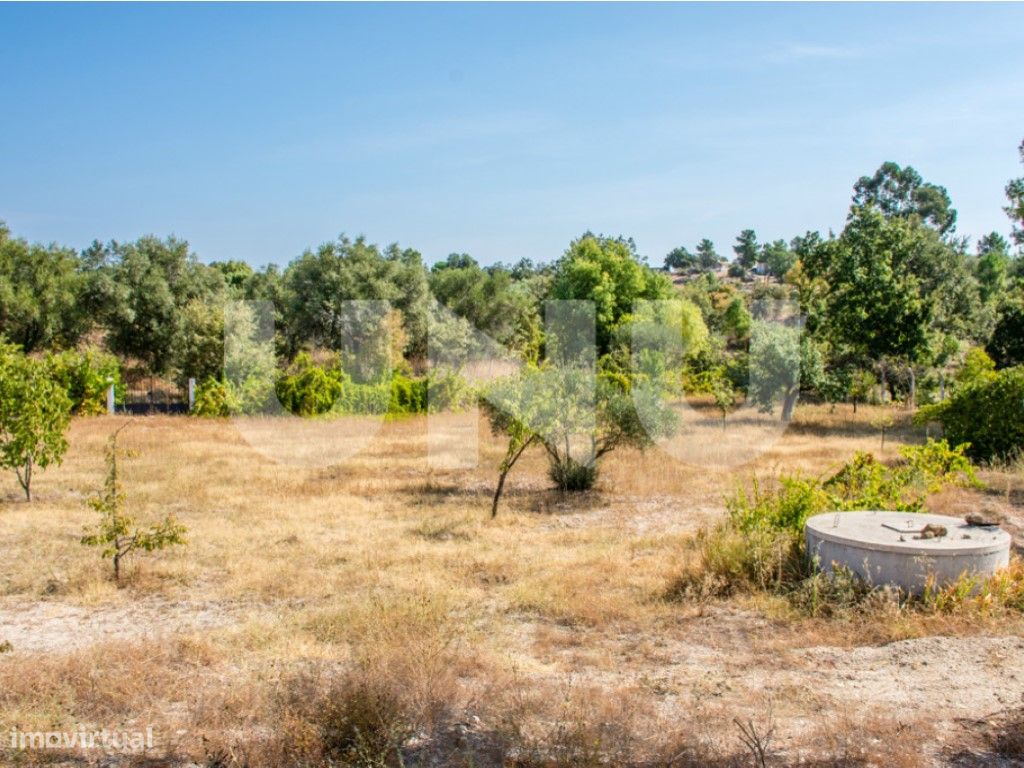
[117, 532]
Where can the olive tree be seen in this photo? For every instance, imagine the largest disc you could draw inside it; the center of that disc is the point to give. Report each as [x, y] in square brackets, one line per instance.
[781, 359]
[576, 417]
[34, 414]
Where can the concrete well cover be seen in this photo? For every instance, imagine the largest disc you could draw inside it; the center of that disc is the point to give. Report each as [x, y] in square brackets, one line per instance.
[885, 547]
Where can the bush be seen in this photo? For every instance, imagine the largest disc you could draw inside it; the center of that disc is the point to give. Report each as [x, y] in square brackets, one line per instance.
[447, 391]
[86, 376]
[407, 395]
[986, 414]
[761, 545]
[215, 398]
[308, 389]
[311, 389]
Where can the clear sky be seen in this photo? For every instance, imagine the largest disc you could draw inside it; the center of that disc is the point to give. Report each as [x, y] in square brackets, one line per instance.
[256, 131]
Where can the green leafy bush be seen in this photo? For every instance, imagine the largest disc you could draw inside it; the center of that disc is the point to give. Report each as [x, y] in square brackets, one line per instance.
[308, 389]
[408, 395]
[215, 398]
[762, 543]
[988, 414]
[311, 389]
[86, 376]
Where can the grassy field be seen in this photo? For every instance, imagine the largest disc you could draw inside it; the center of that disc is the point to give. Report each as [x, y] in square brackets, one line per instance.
[376, 597]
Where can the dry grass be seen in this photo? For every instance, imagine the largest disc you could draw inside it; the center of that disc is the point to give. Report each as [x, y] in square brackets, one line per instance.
[378, 585]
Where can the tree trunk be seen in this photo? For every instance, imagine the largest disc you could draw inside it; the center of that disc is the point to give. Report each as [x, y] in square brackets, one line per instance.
[912, 397]
[497, 492]
[25, 479]
[505, 469]
[789, 404]
[117, 567]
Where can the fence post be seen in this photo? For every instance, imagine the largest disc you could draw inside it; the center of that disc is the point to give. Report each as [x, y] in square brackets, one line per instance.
[110, 399]
[191, 394]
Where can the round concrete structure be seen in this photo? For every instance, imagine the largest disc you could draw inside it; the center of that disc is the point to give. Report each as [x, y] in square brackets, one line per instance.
[887, 547]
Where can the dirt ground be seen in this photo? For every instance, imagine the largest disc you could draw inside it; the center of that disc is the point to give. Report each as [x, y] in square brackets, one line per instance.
[312, 563]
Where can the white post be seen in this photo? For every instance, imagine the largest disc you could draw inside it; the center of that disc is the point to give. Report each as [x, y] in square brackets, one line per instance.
[110, 399]
[191, 394]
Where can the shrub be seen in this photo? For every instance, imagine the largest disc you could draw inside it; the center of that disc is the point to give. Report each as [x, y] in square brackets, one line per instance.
[447, 390]
[977, 367]
[86, 376]
[408, 395]
[307, 389]
[761, 545]
[987, 414]
[311, 389]
[215, 398]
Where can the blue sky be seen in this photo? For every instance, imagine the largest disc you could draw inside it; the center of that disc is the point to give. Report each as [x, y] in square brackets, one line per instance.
[255, 131]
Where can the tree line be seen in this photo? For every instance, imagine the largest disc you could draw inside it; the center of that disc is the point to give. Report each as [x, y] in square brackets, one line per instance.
[898, 296]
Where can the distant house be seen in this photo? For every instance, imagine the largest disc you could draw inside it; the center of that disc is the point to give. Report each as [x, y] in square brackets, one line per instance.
[761, 269]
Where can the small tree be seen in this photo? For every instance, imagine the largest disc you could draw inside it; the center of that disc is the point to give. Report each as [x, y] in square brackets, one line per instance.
[116, 532]
[724, 395]
[576, 417]
[782, 360]
[34, 414]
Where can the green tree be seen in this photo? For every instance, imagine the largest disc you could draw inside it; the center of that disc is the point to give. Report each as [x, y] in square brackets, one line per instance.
[890, 289]
[199, 344]
[576, 417]
[736, 320]
[491, 300]
[1006, 346]
[1015, 210]
[117, 532]
[804, 245]
[778, 258]
[39, 294]
[319, 288]
[34, 415]
[680, 260]
[238, 276]
[977, 367]
[747, 249]
[707, 257]
[608, 272]
[143, 288]
[901, 192]
[782, 361]
[993, 266]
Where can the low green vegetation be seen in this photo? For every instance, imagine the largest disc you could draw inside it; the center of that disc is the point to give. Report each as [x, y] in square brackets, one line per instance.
[86, 376]
[761, 547]
[986, 413]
